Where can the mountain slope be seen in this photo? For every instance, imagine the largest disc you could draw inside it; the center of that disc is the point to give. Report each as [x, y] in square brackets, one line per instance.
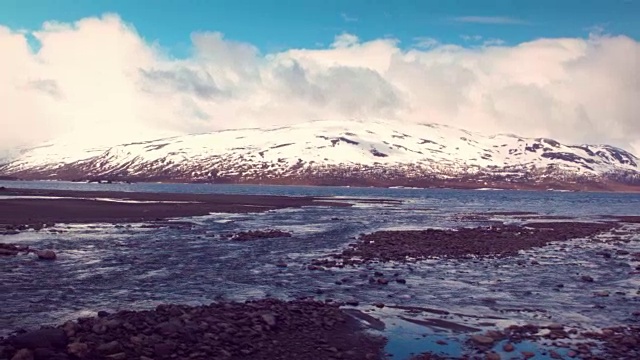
[375, 153]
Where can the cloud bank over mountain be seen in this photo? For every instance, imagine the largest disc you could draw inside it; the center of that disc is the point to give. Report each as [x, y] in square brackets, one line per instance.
[98, 81]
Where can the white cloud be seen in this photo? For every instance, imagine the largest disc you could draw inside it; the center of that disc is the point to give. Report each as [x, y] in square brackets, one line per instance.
[98, 80]
[486, 42]
[345, 40]
[493, 42]
[426, 42]
[348, 18]
[471, 37]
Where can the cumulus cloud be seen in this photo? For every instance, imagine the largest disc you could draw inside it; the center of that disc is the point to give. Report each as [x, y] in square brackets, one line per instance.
[425, 42]
[97, 81]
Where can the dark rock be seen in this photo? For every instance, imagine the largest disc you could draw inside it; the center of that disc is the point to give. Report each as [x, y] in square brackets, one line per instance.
[7, 252]
[555, 326]
[44, 354]
[43, 338]
[69, 328]
[269, 319]
[109, 348]
[118, 356]
[102, 314]
[259, 234]
[78, 349]
[586, 278]
[164, 349]
[167, 328]
[482, 340]
[46, 254]
[23, 354]
[99, 329]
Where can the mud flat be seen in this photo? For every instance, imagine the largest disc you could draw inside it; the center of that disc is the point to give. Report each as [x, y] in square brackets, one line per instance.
[261, 330]
[21, 209]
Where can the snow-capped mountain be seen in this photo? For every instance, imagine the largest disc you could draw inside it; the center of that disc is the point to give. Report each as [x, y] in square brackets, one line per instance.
[376, 153]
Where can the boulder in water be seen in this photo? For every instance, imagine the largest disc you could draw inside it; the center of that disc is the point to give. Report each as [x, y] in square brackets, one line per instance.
[46, 254]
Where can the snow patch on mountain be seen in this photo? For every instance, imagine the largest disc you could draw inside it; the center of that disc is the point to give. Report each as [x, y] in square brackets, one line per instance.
[314, 148]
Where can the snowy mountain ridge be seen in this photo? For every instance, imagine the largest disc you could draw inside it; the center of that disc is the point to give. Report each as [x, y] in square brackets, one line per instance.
[377, 153]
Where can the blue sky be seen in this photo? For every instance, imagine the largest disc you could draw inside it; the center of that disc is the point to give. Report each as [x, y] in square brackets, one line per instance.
[274, 25]
[564, 69]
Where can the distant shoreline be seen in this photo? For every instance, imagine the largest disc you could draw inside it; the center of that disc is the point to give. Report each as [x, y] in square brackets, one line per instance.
[41, 206]
[415, 184]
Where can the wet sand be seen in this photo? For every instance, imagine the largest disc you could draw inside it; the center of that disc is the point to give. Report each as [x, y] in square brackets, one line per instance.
[36, 207]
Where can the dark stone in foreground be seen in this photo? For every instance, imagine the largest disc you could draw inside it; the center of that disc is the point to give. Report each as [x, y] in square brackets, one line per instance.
[460, 243]
[261, 330]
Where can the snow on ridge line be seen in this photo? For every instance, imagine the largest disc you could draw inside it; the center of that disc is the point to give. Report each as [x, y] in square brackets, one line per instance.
[329, 143]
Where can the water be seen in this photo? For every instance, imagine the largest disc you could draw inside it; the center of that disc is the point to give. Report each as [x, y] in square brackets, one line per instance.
[107, 267]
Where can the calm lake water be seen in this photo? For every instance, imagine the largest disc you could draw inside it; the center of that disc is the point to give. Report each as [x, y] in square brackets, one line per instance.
[108, 267]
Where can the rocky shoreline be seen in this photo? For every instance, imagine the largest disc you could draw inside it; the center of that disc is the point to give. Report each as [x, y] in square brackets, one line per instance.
[261, 330]
[464, 243]
[300, 329]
